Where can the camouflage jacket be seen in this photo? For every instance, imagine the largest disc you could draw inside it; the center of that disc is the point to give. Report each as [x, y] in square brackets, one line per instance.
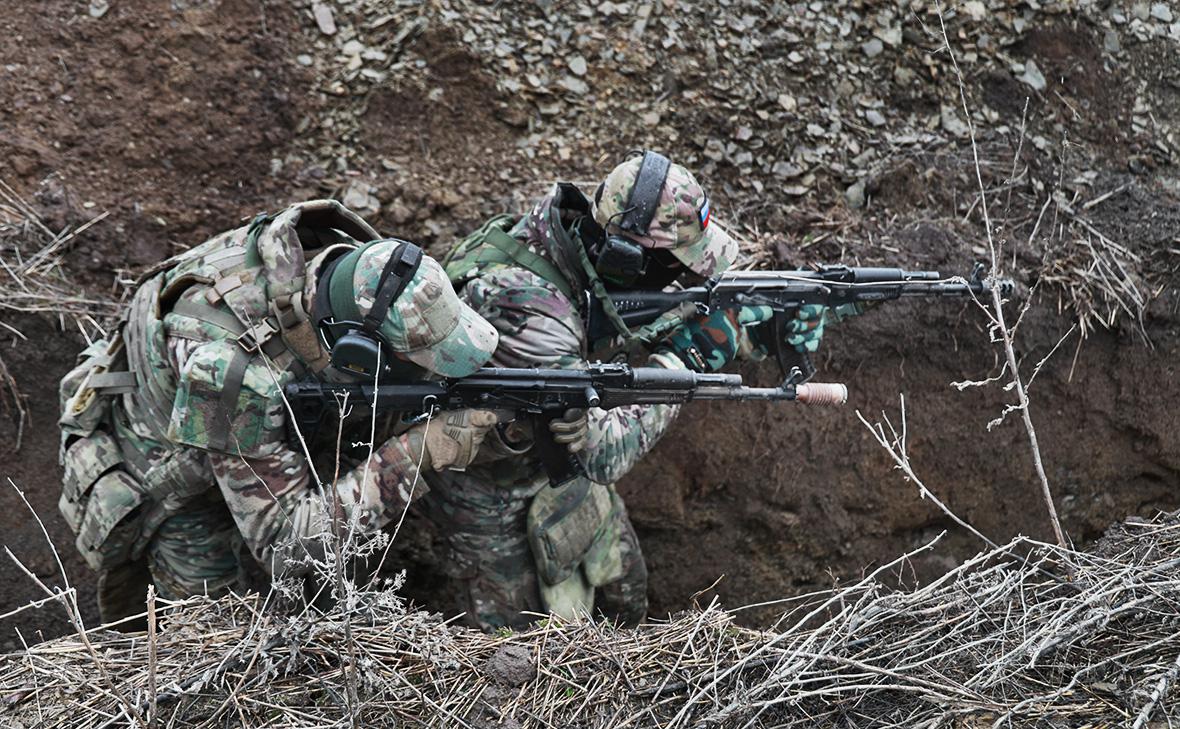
[539, 326]
[185, 358]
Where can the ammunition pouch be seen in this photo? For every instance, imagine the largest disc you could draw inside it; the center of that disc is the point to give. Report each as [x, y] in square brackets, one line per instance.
[574, 537]
[100, 501]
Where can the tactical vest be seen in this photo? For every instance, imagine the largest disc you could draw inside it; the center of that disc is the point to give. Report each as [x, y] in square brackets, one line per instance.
[239, 299]
[559, 258]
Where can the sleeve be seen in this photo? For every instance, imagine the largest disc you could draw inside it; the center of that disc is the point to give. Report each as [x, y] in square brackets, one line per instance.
[281, 508]
[540, 327]
[284, 513]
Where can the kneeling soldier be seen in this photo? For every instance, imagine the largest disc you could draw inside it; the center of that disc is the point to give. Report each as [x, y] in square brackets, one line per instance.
[177, 465]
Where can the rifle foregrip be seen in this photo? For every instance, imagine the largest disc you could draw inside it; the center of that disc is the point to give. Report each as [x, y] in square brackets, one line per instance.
[821, 393]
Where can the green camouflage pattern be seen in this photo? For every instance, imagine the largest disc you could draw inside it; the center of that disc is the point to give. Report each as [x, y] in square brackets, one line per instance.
[428, 323]
[258, 418]
[256, 499]
[110, 529]
[681, 222]
[806, 330]
[482, 512]
[706, 343]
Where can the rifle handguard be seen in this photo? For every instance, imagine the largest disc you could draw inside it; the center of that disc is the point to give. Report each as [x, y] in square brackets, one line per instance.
[821, 393]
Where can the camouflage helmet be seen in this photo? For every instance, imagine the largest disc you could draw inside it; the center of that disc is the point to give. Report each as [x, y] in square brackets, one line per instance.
[427, 324]
[681, 222]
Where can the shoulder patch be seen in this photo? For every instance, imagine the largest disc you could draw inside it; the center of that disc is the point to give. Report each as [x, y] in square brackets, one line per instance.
[206, 413]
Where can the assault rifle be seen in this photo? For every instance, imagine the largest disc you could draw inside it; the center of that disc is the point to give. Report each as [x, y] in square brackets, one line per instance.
[783, 291]
[544, 394]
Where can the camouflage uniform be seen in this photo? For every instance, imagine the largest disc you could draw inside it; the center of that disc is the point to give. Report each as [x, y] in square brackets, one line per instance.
[484, 512]
[174, 443]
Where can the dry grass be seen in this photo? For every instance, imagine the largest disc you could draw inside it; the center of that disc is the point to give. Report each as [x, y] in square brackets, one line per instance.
[32, 281]
[997, 641]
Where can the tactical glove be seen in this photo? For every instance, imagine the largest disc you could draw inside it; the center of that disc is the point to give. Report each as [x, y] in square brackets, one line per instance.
[805, 331]
[571, 429]
[708, 343]
[451, 440]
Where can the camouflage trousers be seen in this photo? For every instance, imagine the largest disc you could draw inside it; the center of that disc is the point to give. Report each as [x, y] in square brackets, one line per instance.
[488, 558]
[195, 552]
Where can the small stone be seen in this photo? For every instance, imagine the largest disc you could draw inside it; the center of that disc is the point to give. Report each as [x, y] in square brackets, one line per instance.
[359, 197]
[855, 195]
[1141, 11]
[353, 48]
[323, 18]
[574, 85]
[400, 213]
[795, 57]
[891, 36]
[98, 8]
[816, 130]
[786, 170]
[788, 102]
[303, 59]
[976, 9]
[1033, 76]
[743, 133]
[1110, 41]
[873, 48]
[952, 123]
[875, 118]
[577, 66]
[650, 118]
[1160, 11]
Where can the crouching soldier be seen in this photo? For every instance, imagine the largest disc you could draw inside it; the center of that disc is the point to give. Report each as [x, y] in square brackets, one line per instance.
[517, 547]
[178, 468]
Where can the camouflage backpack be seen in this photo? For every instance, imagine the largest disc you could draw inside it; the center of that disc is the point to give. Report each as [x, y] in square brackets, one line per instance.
[239, 295]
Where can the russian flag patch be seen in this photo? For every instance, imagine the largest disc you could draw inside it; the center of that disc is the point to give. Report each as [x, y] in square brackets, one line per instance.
[704, 214]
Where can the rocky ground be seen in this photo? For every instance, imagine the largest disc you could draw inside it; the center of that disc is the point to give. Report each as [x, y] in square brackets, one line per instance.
[825, 132]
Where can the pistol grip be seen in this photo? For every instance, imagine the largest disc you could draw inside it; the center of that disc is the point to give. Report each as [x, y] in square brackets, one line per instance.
[560, 465]
[790, 359]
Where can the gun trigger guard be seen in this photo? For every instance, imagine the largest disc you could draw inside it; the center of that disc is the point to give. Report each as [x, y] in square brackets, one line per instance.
[702, 308]
[430, 409]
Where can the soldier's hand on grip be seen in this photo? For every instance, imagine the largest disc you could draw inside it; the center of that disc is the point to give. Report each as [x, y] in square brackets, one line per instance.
[453, 438]
[571, 429]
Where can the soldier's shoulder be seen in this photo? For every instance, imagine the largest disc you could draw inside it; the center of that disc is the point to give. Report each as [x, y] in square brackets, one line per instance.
[511, 288]
[229, 400]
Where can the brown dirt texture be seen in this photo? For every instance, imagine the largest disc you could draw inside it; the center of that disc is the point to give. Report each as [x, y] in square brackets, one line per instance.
[832, 136]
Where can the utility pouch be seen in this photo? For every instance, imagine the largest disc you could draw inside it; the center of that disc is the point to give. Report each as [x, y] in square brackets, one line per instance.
[563, 524]
[100, 501]
[603, 563]
[86, 460]
[83, 407]
[112, 522]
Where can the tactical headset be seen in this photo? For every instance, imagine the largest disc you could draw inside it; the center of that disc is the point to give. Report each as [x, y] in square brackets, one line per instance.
[618, 259]
[362, 348]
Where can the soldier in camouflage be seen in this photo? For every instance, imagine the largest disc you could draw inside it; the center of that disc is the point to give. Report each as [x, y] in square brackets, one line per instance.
[177, 465]
[509, 552]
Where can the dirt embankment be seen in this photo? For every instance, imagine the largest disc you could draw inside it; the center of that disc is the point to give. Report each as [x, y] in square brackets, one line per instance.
[182, 118]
